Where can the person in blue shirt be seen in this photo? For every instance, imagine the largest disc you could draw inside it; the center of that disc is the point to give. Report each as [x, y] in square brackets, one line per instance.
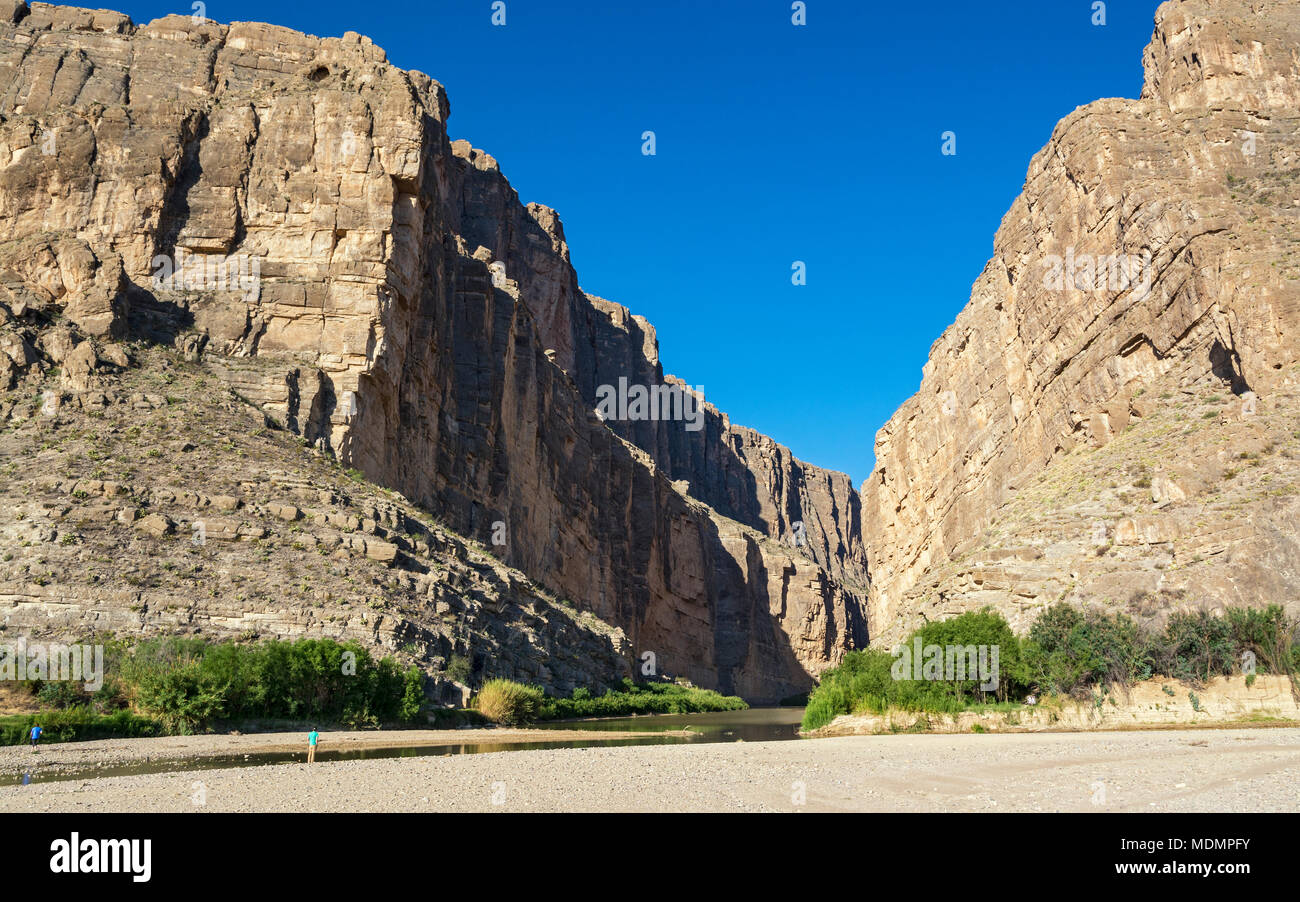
[312, 738]
[36, 735]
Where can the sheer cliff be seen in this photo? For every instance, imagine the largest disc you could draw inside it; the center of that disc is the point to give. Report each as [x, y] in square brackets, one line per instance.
[1113, 418]
[290, 213]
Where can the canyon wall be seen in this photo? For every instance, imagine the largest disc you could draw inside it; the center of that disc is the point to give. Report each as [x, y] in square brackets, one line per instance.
[382, 291]
[740, 473]
[1061, 443]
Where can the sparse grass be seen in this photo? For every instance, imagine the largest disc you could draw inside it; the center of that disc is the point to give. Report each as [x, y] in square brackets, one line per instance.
[507, 702]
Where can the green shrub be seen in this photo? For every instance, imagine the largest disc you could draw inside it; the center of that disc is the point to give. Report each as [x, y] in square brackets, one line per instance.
[865, 680]
[1195, 646]
[184, 699]
[187, 684]
[1082, 654]
[77, 724]
[638, 698]
[412, 695]
[825, 704]
[977, 628]
[1267, 632]
[458, 669]
[1070, 651]
[60, 694]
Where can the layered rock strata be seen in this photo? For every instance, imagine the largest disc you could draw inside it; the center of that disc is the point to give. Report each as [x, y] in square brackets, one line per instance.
[1067, 412]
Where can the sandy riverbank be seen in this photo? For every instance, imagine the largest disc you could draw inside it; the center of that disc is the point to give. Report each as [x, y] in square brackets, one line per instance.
[77, 756]
[1193, 770]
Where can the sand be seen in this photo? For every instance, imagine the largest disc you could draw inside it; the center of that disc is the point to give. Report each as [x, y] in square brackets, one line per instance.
[77, 756]
[1173, 770]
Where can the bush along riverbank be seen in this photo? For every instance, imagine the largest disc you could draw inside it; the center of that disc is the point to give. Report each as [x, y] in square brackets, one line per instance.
[974, 663]
[179, 685]
[507, 702]
[77, 724]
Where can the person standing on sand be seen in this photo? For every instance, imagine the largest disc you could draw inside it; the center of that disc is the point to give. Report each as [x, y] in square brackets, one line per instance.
[312, 738]
[36, 735]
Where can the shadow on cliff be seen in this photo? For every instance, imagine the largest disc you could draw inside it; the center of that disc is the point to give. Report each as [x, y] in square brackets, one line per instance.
[492, 216]
[1226, 365]
[753, 655]
[718, 475]
[158, 321]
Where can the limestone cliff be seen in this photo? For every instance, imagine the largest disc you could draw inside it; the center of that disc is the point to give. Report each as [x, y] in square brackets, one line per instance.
[1114, 416]
[740, 473]
[290, 212]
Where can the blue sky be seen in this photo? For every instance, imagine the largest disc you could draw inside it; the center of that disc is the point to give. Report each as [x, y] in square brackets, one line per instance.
[775, 143]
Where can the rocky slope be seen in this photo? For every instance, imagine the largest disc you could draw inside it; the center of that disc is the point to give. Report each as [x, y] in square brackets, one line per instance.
[381, 291]
[1111, 440]
[155, 500]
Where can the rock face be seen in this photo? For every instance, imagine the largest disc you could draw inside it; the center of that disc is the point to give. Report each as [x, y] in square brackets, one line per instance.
[1113, 416]
[740, 473]
[290, 211]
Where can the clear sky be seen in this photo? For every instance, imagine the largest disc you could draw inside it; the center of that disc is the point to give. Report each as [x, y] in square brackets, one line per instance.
[775, 143]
